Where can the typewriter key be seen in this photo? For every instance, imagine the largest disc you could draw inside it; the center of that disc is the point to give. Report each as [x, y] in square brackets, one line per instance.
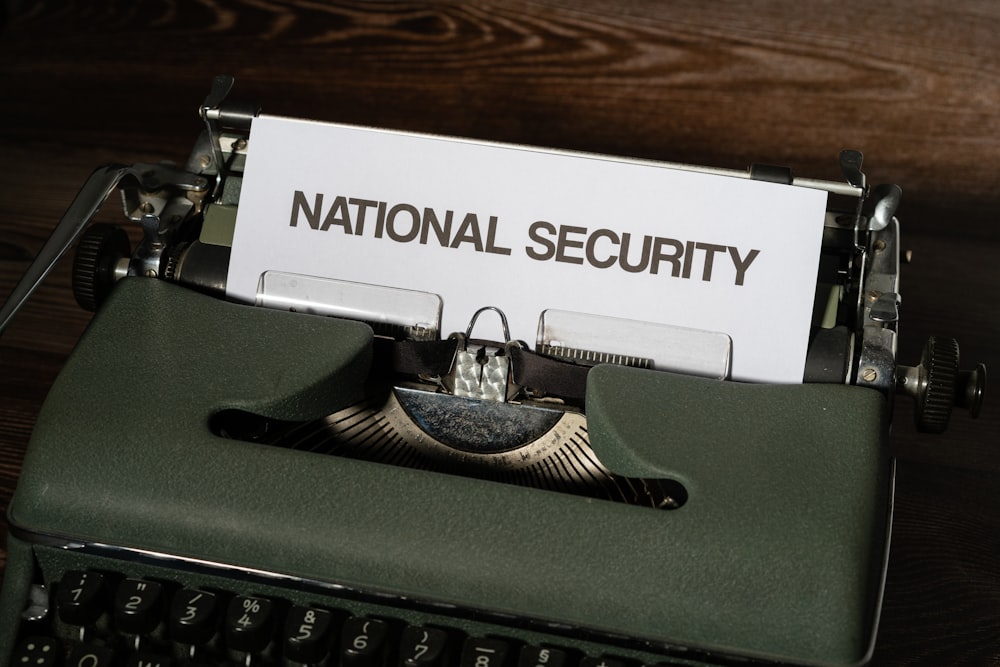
[249, 621]
[364, 643]
[193, 617]
[423, 647]
[81, 598]
[308, 634]
[138, 605]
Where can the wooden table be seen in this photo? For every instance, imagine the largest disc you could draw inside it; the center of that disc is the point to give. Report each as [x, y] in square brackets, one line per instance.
[915, 85]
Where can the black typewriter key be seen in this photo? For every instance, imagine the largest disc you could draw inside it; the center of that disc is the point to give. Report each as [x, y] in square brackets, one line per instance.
[81, 597]
[539, 656]
[249, 623]
[423, 647]
[308, 634]
[37, 652]
[138, 606]
[148, 660]
[601, 662]
[89, 655]
[364, 643]
[193, 617]
[484, 652]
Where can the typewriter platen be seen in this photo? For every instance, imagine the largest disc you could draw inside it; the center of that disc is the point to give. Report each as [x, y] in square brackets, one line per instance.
[276, 488]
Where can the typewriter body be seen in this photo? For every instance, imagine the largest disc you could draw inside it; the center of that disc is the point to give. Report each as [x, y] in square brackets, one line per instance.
[282, 488]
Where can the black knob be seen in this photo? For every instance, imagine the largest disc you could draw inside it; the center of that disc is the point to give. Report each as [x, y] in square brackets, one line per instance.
[972, 388]
[97, 254]
[940, 364]
[937, 385]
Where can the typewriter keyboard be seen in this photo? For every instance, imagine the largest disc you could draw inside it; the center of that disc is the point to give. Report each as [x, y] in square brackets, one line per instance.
[123, 613]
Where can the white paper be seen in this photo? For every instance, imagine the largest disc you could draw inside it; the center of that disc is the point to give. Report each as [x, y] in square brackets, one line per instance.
[533, 229]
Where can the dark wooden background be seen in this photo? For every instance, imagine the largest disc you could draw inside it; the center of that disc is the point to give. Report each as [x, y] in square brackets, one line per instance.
[915, 85]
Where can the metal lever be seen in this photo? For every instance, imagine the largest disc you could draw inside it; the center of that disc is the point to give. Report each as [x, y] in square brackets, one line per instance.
[850, 166]
[219, 114]
[886, 198]
[88, 202]
[232, 115]
[85, 206]
[221, 85]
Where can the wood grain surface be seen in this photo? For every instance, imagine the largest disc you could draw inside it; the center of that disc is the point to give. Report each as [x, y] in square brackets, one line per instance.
[915, 85]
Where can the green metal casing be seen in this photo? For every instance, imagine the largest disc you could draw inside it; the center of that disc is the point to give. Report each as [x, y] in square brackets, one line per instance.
[778, 553]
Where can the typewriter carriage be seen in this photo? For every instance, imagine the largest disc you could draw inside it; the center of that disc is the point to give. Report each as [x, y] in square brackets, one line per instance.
[187, 218]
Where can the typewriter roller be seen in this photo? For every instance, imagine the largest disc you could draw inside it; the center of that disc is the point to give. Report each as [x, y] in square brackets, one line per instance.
[480, 437]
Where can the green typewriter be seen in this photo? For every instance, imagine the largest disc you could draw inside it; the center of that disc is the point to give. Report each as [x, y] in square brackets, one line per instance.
[326, 475]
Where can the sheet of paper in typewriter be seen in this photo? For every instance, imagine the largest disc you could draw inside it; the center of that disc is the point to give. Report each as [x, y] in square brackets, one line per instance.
[527, 229]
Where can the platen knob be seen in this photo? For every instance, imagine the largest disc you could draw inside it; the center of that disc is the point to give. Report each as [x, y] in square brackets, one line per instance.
[97, 256]
[937, 385]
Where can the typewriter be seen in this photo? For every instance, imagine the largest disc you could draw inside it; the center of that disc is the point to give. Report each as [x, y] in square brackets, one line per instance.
[352, 486]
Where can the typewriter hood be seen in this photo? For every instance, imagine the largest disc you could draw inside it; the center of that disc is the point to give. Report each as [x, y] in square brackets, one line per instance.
[779, 552]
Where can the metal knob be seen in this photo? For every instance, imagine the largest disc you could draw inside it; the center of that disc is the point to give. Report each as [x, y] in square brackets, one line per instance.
[95, 265]
[937, 385]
